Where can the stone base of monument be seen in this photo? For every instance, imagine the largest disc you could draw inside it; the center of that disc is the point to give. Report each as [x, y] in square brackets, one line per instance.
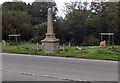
[50, 46]
[50, 43]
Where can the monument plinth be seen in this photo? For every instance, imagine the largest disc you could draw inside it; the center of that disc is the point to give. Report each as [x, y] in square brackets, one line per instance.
[50, 43]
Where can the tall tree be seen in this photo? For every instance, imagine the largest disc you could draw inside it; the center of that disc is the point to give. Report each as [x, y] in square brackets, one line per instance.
[104, 20]
[19, 17]
[74, 23]
[39, 11]
[7, 6]
[11, 24]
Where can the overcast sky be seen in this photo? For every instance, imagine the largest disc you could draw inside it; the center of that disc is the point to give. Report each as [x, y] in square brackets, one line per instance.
[60, 3]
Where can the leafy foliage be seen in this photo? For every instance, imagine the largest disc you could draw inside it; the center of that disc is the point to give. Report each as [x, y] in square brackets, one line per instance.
[11, 24]
[82, 24]
[19, 17]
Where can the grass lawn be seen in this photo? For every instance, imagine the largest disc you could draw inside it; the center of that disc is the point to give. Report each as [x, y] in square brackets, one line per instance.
[0, 47]
[89, 52]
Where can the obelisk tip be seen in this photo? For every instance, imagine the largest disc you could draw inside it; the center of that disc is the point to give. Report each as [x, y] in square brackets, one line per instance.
[49, 9]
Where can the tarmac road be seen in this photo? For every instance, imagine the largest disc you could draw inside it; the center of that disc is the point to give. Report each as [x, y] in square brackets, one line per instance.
[21, 67]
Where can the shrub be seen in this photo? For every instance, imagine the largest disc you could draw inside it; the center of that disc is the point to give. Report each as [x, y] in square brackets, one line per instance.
[90, 41]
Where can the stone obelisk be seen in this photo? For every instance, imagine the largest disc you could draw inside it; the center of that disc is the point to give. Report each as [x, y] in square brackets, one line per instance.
[50, 43]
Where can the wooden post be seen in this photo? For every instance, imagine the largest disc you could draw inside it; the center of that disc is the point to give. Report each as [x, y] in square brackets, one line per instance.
[109, 40]
[19, 39]
[37, 46]
[69, 44]
[63, 47]
[101, 37]
[112, 39]
[9, 39]
[16, 40]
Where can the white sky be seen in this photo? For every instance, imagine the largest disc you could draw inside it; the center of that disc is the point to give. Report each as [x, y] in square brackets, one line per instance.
[60, 4]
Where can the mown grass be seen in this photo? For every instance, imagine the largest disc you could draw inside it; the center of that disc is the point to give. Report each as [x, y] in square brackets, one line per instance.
[89, 52]
[0, 47]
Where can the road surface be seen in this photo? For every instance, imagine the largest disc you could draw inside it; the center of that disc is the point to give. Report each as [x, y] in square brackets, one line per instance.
[21, 67]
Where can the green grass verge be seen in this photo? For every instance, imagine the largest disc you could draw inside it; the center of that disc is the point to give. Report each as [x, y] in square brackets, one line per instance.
[89, 52]
[0, 47]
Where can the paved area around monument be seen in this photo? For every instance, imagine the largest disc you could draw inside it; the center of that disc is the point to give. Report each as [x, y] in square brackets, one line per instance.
[20, 67]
